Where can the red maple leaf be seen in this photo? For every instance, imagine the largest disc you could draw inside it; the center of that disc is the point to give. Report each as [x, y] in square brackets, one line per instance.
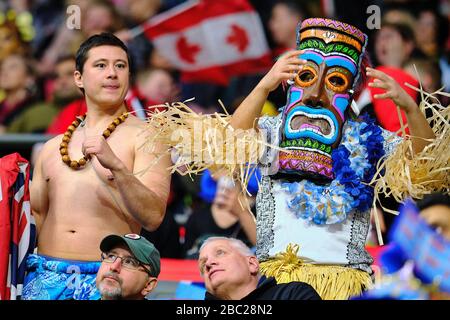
[187, 51]
[238, 37]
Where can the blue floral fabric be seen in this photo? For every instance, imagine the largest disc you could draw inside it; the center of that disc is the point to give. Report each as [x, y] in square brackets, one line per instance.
[56, 279]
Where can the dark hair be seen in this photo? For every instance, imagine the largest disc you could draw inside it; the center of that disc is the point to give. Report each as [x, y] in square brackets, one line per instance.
[434, 199]
[97, 40]
[406, 33]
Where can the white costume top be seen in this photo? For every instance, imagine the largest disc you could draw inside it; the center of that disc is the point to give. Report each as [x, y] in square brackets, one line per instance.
[277, 225]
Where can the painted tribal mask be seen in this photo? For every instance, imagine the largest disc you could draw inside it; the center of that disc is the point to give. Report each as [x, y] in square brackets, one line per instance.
[316, 105]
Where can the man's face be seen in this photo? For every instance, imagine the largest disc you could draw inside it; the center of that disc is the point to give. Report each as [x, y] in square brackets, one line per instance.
[114, 281]
[105, 76]
[224, 268]
[65, 87]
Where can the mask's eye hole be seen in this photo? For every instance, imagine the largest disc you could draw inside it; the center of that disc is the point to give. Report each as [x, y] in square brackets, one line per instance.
[306, 77]
[337, 82]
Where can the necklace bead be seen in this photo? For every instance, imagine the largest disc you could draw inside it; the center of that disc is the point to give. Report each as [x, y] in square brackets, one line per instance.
[64, 145]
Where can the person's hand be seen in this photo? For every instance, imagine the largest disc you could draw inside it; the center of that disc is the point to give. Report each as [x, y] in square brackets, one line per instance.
[286, 68]
[393, 90]
[98, 147]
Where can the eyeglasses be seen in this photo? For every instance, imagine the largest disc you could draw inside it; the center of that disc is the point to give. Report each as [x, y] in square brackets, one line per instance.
[126, 262]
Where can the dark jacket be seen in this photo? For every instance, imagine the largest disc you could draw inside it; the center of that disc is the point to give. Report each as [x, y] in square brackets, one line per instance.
[269, 289]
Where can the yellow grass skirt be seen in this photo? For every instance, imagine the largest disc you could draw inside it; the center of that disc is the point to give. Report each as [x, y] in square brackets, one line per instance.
[330, 281]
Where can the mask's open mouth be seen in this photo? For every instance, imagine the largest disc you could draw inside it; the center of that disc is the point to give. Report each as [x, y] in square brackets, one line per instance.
[319, 124]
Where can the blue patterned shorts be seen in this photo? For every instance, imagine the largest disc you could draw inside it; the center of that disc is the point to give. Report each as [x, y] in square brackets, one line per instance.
[51, 278]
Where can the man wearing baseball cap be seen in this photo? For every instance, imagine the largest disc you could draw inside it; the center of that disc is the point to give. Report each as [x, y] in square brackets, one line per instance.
[130, 267]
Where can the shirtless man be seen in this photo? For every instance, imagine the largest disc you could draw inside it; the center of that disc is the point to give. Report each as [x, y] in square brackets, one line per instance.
[75, 204]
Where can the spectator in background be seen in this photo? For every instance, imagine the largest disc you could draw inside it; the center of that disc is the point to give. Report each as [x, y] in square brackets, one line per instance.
[130, 267]
[17, 80]
[224, 217]
[394, 45]
[399, 16]
[38, 117]
[10, 39]
[285, 16]
[284, 19]
[136, 12]
[431, 31]
[96, 16]
[415, 263]
[154, 86]
[231, 272]
[428, 72]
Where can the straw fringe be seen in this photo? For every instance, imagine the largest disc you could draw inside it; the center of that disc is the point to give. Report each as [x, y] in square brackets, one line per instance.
[205, 142]
[415, 175]
[331, 282]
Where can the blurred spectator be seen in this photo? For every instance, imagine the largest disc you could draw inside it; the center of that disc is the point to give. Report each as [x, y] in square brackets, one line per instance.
[10, 38]
[136, 12]
[96, 16]
[38, 117]
[428, 71]
[48, 16]
[415, 263]
[17, 80]
[154, 86]
[60, 41]
[394, 45]
[400, 16]
[224, 217]
[431, 33]
[284, 19]
[285, 16]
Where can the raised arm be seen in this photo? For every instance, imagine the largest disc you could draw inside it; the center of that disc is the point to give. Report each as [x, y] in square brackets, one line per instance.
[417, 123]
[286, 67]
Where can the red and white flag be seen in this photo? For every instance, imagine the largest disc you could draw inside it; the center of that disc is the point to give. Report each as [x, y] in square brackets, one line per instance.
[211, 40]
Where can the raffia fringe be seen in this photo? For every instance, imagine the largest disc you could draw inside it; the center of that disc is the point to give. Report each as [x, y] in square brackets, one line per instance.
[205, 141]
[331, 282]
[416, 175]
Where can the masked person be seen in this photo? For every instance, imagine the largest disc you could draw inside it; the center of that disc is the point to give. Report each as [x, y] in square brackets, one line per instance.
[313, 204]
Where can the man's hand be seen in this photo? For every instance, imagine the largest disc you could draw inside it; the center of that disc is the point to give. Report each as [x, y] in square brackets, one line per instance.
[393, 90]
[98, 147]
[286, 68]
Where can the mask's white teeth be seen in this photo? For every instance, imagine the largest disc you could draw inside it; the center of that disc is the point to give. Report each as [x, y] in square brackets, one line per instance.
[315, 116]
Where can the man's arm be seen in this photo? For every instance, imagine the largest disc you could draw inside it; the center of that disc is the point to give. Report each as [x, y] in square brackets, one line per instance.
[417, 123]
[144, 195]
[285, 68]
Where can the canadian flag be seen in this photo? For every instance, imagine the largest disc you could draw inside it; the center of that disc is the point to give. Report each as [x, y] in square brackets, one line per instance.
[211, 40]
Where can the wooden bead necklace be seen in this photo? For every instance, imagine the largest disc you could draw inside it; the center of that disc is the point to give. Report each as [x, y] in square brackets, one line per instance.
[64, 146]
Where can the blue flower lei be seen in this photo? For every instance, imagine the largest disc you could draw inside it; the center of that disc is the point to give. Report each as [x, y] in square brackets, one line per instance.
[354, 165]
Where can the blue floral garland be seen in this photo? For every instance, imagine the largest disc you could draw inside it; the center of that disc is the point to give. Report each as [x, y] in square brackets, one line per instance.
[354, 165]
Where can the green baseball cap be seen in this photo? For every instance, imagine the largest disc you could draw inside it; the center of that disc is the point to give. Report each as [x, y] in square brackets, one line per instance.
[141, 248]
